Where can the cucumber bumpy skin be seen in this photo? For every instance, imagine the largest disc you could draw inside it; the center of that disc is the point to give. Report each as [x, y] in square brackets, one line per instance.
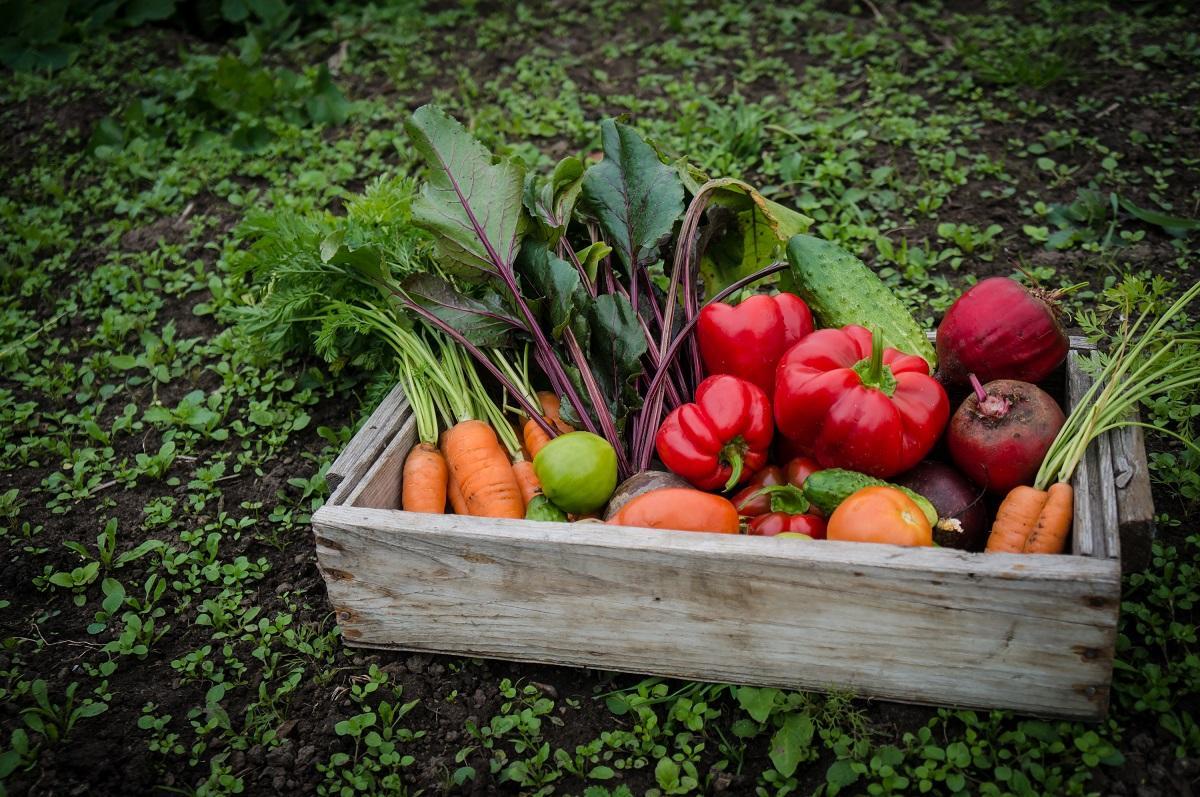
[827, 488]
[841, 290]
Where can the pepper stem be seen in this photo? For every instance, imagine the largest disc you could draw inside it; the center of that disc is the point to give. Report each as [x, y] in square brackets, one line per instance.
[737, 463]
[875, 369]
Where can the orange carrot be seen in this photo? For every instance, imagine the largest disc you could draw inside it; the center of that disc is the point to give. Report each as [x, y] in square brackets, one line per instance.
[423, 488]
[527, 479]
[1015, 519]
[455, 495]
[1054, 521]
[535, 437]
[484, 474]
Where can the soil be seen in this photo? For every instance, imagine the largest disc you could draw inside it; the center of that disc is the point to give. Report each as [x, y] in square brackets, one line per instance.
[96, 763]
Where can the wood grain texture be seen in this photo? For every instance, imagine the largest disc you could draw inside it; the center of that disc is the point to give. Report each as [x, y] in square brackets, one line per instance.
[1089, 510]
[366, 445]
[1135, 504]
[379, 488]
[1027, 632]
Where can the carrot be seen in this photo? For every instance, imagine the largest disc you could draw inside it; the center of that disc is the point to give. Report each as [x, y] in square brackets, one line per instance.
[1054, 522]
[1015, 519]
[527, 480]
[423, 488]
[535, 437]
[483, 471]
[456, 497]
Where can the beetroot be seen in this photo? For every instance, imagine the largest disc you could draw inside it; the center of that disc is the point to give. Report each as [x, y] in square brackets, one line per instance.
[1001, 330]
[955, 499]
[1001, 433]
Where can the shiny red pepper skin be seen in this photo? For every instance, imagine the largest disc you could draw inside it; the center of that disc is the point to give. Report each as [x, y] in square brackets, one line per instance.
[748, 339]
[721, 438]
[773, 523]
[759, 504]
[830, 402]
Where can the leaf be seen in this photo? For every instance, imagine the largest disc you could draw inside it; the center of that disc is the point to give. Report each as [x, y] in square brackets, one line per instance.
[137, 553]
[559, 284]
[666, 772]
[757, 702]
[138, 12]
[601, 773]
[634, 195]
[483, 320]
[1176, 225]
[839, 775]
[327, 105]
[617, 346]
[471, 203]
[590, 256]
[366, 259]
[755, 233]
[114, 595]
[91, 709]
[790, 743]
[551, 202]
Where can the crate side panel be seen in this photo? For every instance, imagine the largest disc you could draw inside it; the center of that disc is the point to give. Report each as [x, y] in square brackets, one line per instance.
[365, 446]
[1029, 633]
[379, 488]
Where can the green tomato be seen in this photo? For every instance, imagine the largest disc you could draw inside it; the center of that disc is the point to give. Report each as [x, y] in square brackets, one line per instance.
[578, 471]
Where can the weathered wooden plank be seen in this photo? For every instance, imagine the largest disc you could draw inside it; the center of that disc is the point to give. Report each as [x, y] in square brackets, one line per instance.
[379, 488]
[1033, 633]
[1107, 533]
[1088, 504]
[364, 448]
[1135, 504]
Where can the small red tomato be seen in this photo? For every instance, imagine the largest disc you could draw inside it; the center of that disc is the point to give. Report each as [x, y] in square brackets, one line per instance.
[799, 469]
[773, 523]
[759, 504]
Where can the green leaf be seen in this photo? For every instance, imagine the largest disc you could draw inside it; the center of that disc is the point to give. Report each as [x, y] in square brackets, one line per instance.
[755, 231]
[790, 743]
[757, 702]
[617, 346]
[114, 595]
[634, 195]
[251, 137]
[590, 256]
[91, 709]
[364, 258]
[551, 202]
[138, 12]
[470, 202]
[601, 773]
[666, 772]
[839, 775]
[483, 320]
[1172, 224]
[557, 281]
[62, 579]
[327, 105]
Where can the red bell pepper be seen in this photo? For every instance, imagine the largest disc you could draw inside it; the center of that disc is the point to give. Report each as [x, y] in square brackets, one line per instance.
[773, 523]
[720, 438]
[747, 340]
[850, 403]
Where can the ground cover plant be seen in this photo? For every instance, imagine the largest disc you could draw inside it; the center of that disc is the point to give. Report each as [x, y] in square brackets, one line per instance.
[163, 625]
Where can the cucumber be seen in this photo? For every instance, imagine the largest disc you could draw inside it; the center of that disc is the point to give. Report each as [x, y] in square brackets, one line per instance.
[825, 489]
[541, 508]
[841, 290]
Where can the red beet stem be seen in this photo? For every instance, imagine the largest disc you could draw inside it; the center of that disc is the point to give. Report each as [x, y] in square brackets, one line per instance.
[989, 405]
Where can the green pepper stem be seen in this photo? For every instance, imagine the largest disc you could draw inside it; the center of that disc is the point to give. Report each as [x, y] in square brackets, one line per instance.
[875, 370]
[737, 463]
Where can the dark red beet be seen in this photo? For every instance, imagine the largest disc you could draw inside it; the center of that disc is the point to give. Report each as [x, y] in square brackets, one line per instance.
[955, 499]
[999, 329]
[1001, 433]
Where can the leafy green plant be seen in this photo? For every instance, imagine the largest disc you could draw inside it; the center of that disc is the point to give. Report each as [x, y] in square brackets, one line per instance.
[55, 721]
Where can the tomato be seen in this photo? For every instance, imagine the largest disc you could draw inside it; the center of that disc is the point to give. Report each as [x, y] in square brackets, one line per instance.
[764, 477]
[680, 508]
[578, 471]
[774, 523]
[799, 469]
[880, 514]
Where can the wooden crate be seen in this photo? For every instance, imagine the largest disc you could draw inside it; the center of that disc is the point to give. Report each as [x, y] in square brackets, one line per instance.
[1034, 633]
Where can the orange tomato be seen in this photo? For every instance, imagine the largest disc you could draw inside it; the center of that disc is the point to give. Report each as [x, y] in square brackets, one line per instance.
[880, 514]
[679, 508]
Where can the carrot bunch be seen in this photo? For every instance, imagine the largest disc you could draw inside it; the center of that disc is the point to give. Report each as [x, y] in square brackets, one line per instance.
[1147, 359]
